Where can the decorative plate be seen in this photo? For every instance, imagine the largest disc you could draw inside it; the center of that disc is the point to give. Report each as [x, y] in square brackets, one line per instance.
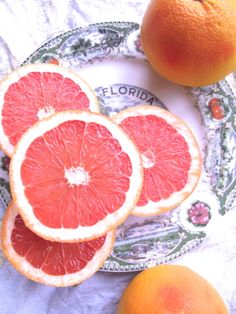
[109, 56]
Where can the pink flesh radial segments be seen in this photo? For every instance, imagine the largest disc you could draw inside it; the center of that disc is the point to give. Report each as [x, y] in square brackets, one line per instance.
[53, 258]
[165, 154]
[75, 175]
[36, 95]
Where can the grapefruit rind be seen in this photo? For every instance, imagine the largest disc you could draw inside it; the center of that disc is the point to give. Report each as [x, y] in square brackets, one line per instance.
[154, 208]
[82, 232]
[14, 77]
[26, 269]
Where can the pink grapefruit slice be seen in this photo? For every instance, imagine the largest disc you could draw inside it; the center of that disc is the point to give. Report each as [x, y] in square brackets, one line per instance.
[33, 92]
[51, 263]
[170, 155]
[75, 176]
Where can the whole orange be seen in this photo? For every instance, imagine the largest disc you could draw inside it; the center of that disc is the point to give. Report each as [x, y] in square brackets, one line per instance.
[170, 289]
[190, 42]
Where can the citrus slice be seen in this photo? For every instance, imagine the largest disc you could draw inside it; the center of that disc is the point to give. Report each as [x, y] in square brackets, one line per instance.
[170, 155]
[33, 92]
[51, 263]
[75, 176]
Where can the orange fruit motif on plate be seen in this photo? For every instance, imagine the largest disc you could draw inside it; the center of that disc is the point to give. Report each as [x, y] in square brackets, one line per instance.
[216, 108]
[170, 155]
[51, 263]
[75, 175]
[190, 42]
[36, 91]
[171, 289]
[53, 60]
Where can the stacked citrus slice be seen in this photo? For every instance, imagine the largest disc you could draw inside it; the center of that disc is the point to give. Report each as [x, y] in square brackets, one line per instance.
[170, 155]
[33, 92]
[51, 263]
[75, 175]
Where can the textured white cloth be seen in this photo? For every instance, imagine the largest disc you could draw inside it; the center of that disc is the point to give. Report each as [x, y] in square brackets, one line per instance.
[24, 26]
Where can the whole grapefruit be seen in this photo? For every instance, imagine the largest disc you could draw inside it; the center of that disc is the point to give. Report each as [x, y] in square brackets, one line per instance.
[190, 42]
[170, 289]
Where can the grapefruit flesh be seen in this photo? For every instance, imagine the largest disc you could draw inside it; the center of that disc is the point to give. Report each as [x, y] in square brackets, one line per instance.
[170, 157]
[34, 92]
[75, 173]
[53, 263]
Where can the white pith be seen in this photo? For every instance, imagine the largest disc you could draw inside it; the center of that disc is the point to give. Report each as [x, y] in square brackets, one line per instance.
[38, 275]
[82, 232]
[153, 208]
[147, 162]
[14, 77]
[45, 112]
[76, 176]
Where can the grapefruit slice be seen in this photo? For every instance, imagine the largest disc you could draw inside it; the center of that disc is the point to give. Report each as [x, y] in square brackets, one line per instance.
[33, 92]
[75, 176]
[51, 263]
[170, 155]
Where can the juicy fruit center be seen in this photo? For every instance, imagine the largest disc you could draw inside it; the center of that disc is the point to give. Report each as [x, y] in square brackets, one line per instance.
[76, 176]
[45, 112]
[148, 160]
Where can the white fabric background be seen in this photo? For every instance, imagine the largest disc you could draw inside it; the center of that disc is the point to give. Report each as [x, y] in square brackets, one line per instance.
[24, 26]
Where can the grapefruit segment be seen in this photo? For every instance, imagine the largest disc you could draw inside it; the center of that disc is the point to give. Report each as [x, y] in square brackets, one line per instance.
[170, 156]
[51, 263]
[36, 91]
[75, 176]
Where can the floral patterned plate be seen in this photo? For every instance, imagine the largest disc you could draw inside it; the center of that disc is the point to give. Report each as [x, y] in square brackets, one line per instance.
[110, 58]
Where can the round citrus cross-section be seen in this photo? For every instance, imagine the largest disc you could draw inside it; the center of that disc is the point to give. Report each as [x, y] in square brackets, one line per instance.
[51, 263]
[170, 155]
[36, 91]
[75, 176]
